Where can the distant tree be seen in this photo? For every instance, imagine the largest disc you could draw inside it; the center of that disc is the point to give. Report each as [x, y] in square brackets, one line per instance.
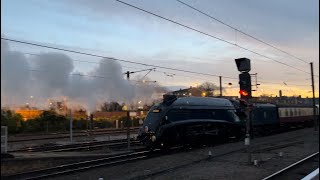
[105, 106]
[115, 106]
[52, 120]
[110, 107]
[47, 121]
[12, 120]
[209, 88]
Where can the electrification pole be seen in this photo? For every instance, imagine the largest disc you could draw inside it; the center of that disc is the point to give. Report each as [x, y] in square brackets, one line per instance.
[128, 116]
[250, 114]
[313, 100]
[256, 84]
[220, 79]
[70, 125]
[128, 113]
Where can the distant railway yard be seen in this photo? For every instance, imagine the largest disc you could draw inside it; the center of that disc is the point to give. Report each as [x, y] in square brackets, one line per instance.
[110, 159]
[49, 140]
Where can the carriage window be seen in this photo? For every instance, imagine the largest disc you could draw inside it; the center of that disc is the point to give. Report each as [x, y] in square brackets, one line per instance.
[265, 115]
[283, 112]
[280, 113]
[287, 113]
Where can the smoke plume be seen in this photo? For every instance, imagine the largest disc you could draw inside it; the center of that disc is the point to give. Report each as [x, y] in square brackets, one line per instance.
[37, 80]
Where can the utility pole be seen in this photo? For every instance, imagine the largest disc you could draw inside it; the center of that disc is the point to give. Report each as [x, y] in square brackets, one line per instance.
[70, 125]
[313, 100]
[250, 114]
[256, 80]
[256, 76]
[128, 113]
[128, 116]
[220, 80]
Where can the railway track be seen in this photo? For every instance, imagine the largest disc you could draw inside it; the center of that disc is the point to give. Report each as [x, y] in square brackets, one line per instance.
[88, 146]
[241, 150]
[85, 165]
[289, 170]
[140, 155]
[26, 138]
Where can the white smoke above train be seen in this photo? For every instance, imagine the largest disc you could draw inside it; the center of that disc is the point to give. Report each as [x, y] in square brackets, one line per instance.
[52, 76]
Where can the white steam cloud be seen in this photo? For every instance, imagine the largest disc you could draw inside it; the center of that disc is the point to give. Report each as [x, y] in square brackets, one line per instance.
[51, 76]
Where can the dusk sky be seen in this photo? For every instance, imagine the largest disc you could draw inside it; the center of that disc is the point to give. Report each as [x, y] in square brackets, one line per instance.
[112, 29]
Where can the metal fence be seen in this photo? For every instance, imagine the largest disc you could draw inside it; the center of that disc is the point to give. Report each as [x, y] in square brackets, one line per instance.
[4, 139]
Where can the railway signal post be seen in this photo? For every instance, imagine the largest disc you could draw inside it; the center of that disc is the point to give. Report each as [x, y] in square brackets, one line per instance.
[313, 100]
[128, 117]
[71, 126]
[243, 65]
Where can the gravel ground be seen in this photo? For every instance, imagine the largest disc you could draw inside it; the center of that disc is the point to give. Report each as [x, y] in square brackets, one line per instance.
[196, 165]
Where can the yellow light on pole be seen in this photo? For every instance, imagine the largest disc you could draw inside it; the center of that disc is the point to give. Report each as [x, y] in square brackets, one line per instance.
[204, 94]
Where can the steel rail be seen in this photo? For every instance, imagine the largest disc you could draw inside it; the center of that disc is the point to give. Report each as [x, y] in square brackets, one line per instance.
[290, 166]
[80, 166]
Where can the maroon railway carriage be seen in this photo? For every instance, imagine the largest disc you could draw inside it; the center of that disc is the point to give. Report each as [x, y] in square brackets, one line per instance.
[296, 115]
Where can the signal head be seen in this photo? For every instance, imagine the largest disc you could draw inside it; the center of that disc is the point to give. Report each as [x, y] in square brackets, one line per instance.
[243, 93]
[243, 64]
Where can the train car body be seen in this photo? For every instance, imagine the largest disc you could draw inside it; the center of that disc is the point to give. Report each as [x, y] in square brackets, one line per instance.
[268, 118]
[190, 120]
[265, 118]
[296, 116]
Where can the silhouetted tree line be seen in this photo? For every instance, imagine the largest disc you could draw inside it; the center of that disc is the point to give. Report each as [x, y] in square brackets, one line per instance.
[48, 121]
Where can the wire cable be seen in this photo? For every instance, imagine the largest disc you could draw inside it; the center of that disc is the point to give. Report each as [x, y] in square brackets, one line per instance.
[238, 30]
[166, 73]
[209, 35]
[110, 58]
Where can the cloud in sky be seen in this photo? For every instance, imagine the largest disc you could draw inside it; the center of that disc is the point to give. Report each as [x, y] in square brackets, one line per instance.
[126, 33]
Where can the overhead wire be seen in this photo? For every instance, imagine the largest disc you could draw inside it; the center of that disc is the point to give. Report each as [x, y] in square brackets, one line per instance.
[193, 77]
[155, 70]
[238, 30]
[110, 58]
[84, 61]
[209, 35]
[266, 82]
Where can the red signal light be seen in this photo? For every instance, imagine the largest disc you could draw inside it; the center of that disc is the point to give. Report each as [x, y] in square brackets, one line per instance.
[243, 93]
